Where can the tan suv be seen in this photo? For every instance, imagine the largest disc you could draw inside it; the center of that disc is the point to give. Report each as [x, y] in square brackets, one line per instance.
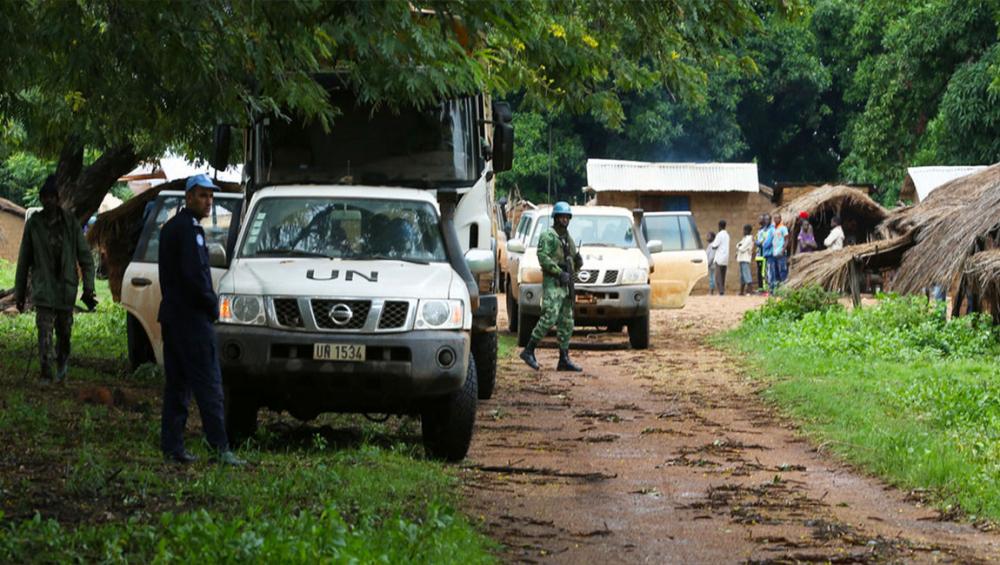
[680, 263]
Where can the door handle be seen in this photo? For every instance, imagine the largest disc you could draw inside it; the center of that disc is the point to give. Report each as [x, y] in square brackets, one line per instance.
[140, 281]
[692, 260]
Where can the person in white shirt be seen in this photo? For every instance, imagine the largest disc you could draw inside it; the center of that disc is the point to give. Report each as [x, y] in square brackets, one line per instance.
[836, 238]
[744, 254]
[721, 246]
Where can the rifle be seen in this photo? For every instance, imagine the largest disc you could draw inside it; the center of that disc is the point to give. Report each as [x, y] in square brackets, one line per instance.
[568, 267]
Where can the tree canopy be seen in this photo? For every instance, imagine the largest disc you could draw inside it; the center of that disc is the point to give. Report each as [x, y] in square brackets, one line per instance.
[131, 79]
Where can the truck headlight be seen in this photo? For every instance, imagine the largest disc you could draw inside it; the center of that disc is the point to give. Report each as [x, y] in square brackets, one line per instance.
[635, 276]
[440, 315]
[242, 309]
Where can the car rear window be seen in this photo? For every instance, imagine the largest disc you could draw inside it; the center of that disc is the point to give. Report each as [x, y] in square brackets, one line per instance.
[677, 232]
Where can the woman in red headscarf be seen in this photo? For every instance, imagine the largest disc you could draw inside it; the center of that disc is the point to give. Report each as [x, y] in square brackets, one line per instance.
[807, 239]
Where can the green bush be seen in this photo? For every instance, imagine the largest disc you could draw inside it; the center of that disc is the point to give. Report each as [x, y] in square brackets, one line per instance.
[797, 303]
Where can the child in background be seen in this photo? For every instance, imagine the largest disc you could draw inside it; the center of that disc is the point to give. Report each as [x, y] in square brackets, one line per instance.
[744, 254]
[710, 251]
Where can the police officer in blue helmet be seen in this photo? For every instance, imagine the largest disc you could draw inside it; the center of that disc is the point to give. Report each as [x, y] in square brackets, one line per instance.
[187, 313]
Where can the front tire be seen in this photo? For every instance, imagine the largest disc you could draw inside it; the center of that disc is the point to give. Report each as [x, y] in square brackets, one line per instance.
[526, 324]
[140, 350]
[512, 321]
[446, 424]
[484, 351]
[241, 416]
[638, 332]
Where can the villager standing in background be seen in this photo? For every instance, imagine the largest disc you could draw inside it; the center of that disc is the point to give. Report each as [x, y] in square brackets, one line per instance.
[836, 238]
[51, 248]
[744, 252]
[780, 244]
[710, 253]
[807, 239]
[721, 245]
[560, 262]
[764, 222]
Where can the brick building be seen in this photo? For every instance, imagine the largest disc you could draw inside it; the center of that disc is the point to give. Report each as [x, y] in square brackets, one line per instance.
[710, 191]
[11, 229]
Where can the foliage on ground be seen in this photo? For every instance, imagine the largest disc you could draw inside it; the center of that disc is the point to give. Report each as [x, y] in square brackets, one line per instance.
[81, 481]
[896, 388]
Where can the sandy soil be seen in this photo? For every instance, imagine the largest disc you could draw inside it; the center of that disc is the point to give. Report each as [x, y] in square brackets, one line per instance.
[669, 456]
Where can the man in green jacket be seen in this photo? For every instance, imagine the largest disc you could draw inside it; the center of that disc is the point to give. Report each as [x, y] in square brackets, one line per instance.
[52, 247]
[560, 264]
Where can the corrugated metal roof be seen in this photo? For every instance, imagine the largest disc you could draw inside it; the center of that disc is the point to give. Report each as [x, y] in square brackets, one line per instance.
[926, 179]
[628, 176]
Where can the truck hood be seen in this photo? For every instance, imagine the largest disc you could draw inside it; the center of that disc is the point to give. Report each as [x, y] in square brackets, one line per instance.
[336, 278]
[613, 258]
[597, 258]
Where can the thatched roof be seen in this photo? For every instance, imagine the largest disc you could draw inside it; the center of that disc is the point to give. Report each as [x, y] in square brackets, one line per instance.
[945, 228]
[115, 232]
[11, 208]
[928, 243]
[828, 201]
[982, 279]
[831, 268]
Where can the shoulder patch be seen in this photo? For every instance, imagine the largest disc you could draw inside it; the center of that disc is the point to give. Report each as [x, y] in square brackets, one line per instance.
[194, 222]
[200, 240]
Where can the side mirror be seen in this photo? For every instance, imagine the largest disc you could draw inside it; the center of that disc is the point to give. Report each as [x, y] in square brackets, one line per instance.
[655, 246]
[480, 261]
[217, 256]
[503, 137]
[515, 246]
[223, 145]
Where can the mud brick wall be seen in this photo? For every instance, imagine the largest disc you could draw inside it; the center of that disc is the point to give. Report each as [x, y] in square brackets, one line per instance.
[737, 208]
[11, 230]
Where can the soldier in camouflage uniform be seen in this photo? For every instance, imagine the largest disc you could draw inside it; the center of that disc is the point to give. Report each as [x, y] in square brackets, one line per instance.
[560, 263]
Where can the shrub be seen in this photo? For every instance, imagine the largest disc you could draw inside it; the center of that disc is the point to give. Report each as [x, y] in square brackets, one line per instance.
[797, 303]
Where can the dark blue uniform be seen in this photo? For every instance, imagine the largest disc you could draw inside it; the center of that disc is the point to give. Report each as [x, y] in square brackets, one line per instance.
[187, 312]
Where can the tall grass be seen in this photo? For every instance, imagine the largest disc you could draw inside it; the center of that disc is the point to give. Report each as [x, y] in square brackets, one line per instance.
[896, 388]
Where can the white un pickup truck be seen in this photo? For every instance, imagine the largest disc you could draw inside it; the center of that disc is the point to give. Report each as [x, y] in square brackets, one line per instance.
[361, 278]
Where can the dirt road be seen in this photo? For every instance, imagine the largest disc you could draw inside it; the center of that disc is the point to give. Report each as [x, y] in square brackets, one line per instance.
[669, 456]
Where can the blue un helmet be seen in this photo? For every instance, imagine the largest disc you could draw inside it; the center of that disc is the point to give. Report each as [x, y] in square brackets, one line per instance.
[561, 209]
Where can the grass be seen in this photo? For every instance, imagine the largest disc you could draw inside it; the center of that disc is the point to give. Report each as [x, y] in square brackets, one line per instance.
[86, 482]
[506, 345]
[894, 388]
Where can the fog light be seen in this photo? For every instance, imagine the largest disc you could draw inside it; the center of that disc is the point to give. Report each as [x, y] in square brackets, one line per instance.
[529, 295]
[232, 351]
[638, 297]
[446, 357]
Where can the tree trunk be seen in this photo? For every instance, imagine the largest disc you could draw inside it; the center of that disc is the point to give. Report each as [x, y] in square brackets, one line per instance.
[81, 189]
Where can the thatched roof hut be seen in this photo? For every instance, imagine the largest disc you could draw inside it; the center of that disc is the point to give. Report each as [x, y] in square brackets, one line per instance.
[831, 268]
[11, 227]
[981, 277]
[117, 231]
[927, 244]
[859, 214]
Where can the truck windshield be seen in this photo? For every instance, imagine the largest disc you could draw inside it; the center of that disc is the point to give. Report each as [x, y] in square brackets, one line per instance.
[596, 231]
[345, 228]
[433, 147]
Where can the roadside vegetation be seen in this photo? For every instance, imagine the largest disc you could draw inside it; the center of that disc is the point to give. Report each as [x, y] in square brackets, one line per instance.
[895, 388]
[82, 479]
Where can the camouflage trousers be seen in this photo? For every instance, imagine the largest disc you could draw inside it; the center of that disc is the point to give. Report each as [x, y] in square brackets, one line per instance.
[60, 323]
[557, 310]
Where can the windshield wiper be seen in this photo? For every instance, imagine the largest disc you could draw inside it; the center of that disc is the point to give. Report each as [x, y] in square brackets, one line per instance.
[404, 259]
[285, 252]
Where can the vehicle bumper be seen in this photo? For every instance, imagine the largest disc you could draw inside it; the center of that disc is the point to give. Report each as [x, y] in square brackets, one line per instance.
[400, 370]
[594, 304]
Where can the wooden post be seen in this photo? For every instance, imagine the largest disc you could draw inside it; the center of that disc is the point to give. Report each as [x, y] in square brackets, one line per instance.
[855, 275]
[956, 307]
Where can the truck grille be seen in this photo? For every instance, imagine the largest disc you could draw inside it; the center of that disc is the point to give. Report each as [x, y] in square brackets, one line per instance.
[393, 314]
[287, 312]
[325, 312]
[610, 277]
[588, 276]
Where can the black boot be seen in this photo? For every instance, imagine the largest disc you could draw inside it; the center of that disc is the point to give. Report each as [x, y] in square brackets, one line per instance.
[565, 364]
[528, 355]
